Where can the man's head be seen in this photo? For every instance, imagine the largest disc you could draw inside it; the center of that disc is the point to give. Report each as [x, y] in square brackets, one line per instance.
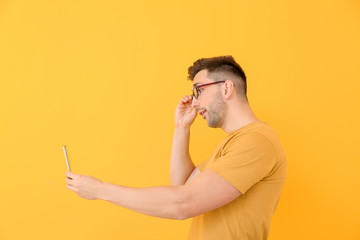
[220, 69]
[216, 81]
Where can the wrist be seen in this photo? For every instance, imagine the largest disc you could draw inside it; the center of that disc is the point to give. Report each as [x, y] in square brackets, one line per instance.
[180, 127]
[102, 191]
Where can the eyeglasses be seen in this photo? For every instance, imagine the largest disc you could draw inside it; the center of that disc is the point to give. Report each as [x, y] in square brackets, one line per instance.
[196, 88]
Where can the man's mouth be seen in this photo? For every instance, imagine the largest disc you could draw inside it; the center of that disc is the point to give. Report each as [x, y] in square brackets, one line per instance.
[202, 113]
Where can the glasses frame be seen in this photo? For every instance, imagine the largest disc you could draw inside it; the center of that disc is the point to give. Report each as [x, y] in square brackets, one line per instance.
[195, 90]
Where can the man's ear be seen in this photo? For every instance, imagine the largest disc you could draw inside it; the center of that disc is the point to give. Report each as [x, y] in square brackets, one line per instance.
[229, 88]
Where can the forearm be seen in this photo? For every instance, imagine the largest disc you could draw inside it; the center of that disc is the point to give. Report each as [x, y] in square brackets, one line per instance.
[181, 164]
[164, 202]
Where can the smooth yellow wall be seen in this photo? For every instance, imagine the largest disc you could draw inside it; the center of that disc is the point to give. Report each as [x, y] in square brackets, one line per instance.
[104, 77]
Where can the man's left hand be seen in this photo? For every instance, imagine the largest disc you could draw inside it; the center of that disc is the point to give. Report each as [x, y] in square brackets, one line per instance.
[84, 186]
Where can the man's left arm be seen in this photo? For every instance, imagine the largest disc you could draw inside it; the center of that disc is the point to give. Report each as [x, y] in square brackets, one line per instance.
[206, 192]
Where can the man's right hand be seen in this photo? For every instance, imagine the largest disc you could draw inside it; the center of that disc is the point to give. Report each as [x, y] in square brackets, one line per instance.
[185, 114]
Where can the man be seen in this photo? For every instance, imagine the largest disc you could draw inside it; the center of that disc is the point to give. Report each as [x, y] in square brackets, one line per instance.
[234, 193]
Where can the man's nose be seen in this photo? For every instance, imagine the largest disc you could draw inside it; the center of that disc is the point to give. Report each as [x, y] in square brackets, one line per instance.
[195, 103]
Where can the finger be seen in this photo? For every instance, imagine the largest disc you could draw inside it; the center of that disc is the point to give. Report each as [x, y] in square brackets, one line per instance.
[186, 99]
[194, 110]
[71, 175]
[69, 182]
[71, 188]
[183, 99]
[68, 174]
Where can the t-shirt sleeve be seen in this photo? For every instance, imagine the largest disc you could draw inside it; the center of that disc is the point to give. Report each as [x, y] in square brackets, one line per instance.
[245, 160]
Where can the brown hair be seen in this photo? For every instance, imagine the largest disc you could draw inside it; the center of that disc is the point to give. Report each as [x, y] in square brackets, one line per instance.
[220, 67]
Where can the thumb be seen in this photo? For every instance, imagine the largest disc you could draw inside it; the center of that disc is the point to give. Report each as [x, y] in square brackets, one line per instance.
[193, 110]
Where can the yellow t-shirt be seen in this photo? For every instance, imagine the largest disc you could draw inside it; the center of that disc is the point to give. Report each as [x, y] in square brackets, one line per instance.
[252, 160]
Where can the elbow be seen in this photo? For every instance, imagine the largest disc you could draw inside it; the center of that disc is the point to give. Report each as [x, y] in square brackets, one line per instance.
[181, 213]
[180, 217]
[183, 208]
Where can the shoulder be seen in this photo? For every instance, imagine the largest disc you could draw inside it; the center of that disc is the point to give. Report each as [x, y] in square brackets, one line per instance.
[248, 139]
[254, 134]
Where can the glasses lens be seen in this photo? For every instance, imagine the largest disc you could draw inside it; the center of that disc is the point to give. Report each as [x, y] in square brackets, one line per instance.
[195, 92]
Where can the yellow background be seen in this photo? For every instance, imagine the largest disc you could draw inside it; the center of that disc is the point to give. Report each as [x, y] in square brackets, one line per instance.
[104, 77]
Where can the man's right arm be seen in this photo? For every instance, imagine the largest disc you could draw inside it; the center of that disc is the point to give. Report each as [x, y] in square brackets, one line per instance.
[181, 165]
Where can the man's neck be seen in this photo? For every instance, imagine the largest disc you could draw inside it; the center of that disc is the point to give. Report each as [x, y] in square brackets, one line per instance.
[238, 116]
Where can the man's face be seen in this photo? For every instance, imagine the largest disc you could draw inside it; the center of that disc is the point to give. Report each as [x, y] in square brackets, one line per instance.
[210, 103]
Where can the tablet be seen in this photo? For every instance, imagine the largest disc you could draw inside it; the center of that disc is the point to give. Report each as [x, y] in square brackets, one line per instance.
[66, 159]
